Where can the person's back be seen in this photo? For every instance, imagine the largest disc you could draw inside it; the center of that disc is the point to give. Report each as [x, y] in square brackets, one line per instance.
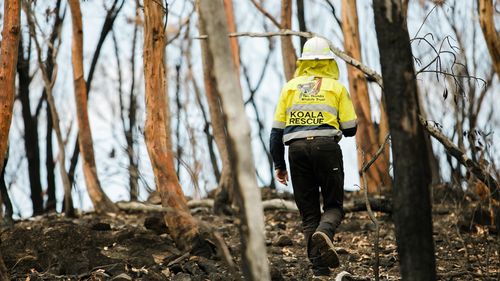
[315, 103]
[313, 113]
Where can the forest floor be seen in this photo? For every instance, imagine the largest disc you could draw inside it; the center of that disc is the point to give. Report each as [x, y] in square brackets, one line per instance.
[136, 246]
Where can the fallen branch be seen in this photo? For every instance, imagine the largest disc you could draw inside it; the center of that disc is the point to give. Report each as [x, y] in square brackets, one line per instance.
[382, 205]
[279, 204]
[179, 259]
[201, 203]
[142, 207]
[463, 159]
[337, 51]
[267, 205]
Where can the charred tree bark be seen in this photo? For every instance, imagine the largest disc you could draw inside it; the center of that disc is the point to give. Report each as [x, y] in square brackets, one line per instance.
[8, 62]
[30, 129]
[183, 227]
[99, 199]
[225, 193]
[107, 26]
[49, 82]
[178, 106]
[133, 168]
[49, 166]
[366, 138]
[486, 19]
[9, 211]
[287, 49]
[411, 198]
[302, 21]
[128, 127]
[54, 118]
[49, 159]
[255, 264]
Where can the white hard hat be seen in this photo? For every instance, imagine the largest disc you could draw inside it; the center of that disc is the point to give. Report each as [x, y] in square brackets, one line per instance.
[316, 48]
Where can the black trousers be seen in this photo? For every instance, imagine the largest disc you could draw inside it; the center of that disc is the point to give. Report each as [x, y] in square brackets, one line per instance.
[316, 166]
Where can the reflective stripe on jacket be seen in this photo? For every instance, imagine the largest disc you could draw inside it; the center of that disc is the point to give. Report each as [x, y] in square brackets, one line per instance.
[314, 103]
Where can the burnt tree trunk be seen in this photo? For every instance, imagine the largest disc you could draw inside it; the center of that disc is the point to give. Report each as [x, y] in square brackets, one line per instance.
[49, 82]
[53, 117]
[366, 138]
[132, 117]
[179, 150]
[4, 195]
[128, 130]
[49, 159]
[302, 21]
[182, 225]
[30, 129]
[99, 199]
[50, 166]
[411, 195]
[247, 194]
[225, 190]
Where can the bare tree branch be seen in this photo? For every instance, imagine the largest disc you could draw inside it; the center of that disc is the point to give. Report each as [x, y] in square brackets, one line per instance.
[371, 73]
[266, 14]
[462, 157]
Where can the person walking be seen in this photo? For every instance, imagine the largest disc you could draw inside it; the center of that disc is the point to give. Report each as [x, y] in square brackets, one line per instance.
[314, 111]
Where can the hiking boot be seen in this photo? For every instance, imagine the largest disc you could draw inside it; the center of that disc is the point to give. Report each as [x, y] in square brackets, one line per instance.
[321, 273]
[325, 247]
[321, 278]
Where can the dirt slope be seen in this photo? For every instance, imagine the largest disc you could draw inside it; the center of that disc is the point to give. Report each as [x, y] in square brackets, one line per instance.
[136, 246]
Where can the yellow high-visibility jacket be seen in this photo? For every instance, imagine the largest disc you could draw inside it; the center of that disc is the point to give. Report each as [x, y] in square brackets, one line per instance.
[314, 103]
